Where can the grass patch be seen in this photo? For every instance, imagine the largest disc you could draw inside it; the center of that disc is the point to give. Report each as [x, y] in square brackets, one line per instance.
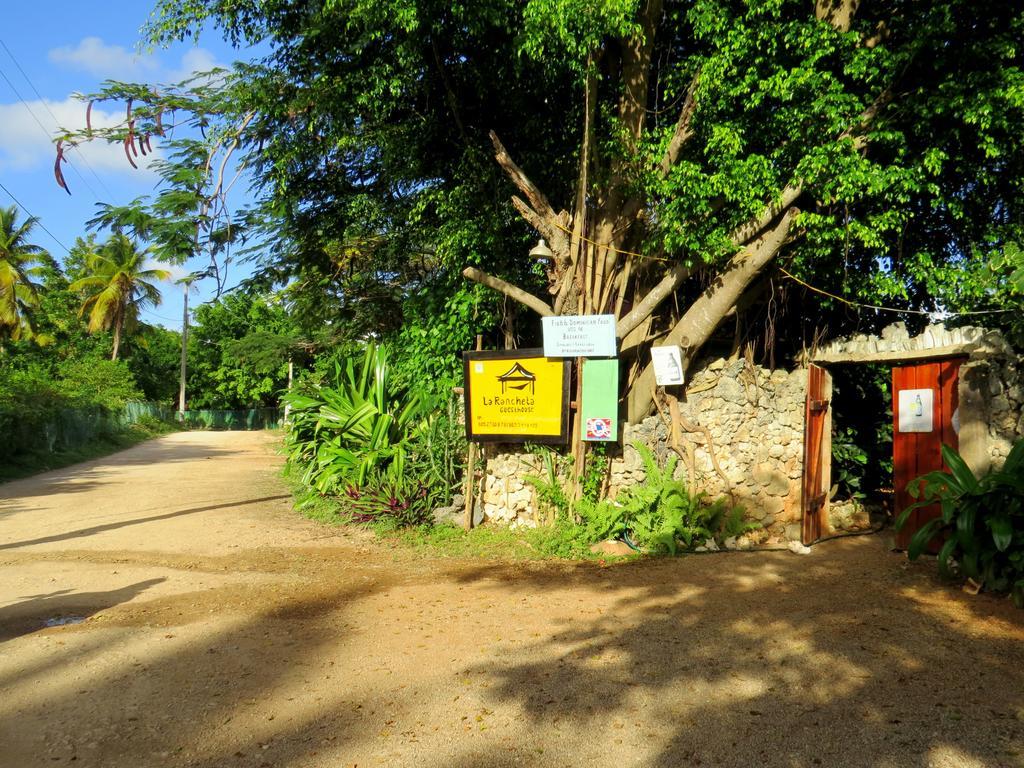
[488, 542]
[484, 543]
[34, 463]
[562, 541]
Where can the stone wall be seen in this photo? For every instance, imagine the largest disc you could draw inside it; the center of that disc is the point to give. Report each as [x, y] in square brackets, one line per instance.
[755, 421]
[992, 396]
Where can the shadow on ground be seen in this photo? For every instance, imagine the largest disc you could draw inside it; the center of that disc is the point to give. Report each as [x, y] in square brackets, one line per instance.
[95, 529]
[35, 612]
[848, 657]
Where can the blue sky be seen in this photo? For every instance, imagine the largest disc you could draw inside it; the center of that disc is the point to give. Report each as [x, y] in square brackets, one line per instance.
[50, 51]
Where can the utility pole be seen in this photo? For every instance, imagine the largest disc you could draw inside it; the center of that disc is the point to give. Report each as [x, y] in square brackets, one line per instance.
[184, 348]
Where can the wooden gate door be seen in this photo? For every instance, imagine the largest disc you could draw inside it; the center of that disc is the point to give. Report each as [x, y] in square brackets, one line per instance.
[924, 399]
[817, 454]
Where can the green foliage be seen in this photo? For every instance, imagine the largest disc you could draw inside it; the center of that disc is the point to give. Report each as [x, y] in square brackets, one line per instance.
[154, 358]
[981, 522]
[49, 418]
[862, 431]
[438, 454]
[660, 515]
[365, 127]
[370, 440]
[20, 262]
[105, 383]
[239, 347]
[595, 471]
[848, 463]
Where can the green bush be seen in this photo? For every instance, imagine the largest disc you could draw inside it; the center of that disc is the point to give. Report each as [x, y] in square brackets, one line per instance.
[381, 447]
[97, 382]
[981, 522]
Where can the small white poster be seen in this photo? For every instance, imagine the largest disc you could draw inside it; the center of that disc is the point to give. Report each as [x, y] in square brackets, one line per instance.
[668, 365]
[579, 336]
[914, 409]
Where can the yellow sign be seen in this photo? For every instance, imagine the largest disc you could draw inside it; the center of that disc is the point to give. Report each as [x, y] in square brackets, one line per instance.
[516, 396]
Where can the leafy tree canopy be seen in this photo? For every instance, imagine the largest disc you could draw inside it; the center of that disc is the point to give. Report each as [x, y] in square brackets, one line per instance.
[238, 352]
[672, 155]
[117, 286]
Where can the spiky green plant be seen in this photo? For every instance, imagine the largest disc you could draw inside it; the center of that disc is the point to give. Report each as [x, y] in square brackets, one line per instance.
[359, 431]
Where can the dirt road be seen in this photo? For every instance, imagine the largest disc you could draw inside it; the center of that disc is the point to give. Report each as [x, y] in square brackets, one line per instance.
[221, 629]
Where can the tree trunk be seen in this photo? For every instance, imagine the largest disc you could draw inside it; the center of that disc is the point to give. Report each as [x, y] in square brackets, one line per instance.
[117, 335]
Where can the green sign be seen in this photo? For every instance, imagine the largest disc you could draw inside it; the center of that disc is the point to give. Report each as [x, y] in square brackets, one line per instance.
[600, 408]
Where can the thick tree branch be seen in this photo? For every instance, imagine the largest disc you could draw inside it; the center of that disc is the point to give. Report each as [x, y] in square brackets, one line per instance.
[744, 233]
[531, 216]
[506, 288]
[703, 316]
[673, 278]
[547, 219]
[700, 320]
[838, 13]
[683, 131]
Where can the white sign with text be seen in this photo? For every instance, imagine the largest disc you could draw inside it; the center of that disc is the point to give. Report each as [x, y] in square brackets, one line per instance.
[579, 336]
[668, 365]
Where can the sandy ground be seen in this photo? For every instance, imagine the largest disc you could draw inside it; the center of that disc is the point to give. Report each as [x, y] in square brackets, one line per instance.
[221, 629]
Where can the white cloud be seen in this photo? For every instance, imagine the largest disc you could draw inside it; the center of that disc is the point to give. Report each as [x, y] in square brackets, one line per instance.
[115, 62]
[194, 60]
[178, 271]
[25, 146]
[104, 61]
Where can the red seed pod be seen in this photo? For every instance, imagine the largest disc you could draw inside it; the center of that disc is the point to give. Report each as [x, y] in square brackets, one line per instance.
[128, 151]
[58, 174]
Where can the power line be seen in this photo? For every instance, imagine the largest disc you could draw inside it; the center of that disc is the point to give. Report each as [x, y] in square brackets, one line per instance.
[56, 122]
[859, 305]
[31, 216]
[43, 129]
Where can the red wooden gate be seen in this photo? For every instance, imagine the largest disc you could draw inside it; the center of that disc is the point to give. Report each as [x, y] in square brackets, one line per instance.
[917, 452]
[817, 454]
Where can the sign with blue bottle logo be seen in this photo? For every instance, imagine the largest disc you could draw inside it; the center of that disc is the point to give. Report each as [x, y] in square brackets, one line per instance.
[914, 409]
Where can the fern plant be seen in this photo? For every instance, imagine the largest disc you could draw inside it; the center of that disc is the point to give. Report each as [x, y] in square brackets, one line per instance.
[663, 514]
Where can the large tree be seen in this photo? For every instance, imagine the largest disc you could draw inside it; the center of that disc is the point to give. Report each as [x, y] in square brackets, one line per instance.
[239, 349]
[117, 286]
[20, 263]
[668, 152]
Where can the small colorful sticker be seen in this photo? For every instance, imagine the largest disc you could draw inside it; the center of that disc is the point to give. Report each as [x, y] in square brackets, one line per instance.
[599, 429]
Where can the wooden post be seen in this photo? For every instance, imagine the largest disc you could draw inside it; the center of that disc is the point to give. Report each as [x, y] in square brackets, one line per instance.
[471, 465]
[578, 446]
[184, 350]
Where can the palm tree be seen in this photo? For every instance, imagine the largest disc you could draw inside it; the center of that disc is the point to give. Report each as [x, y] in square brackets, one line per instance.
[20, 261]
[117, 287]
